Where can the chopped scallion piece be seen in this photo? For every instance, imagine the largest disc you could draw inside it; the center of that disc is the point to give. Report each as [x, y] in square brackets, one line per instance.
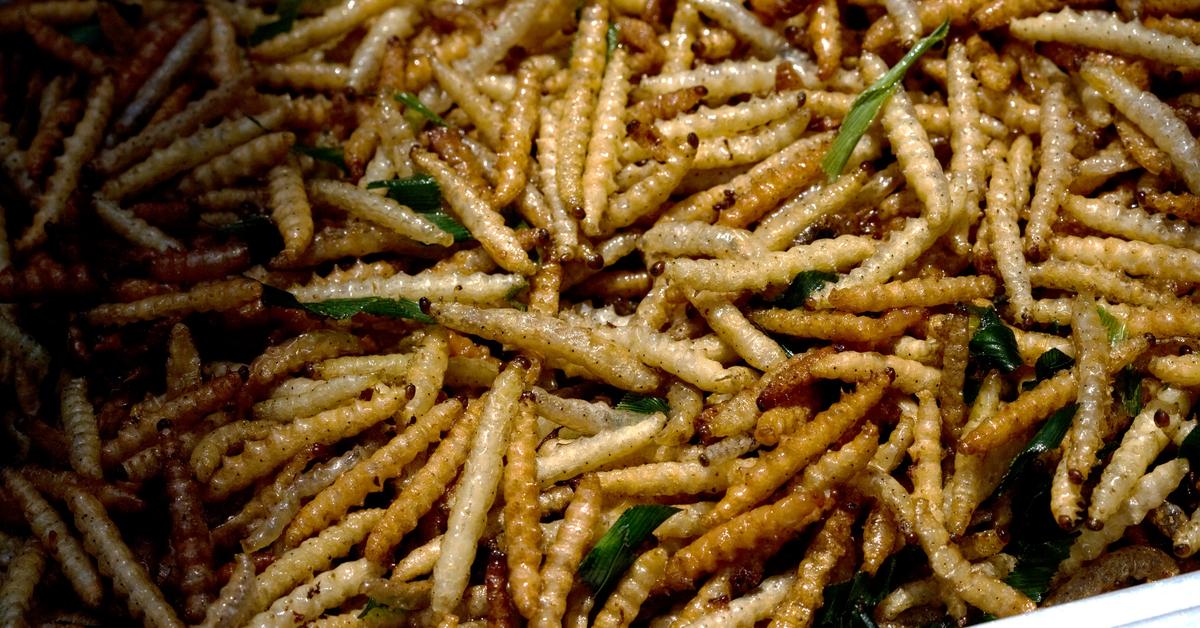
[642, 404]
[614, 552]
[868, 104]
[412, 102]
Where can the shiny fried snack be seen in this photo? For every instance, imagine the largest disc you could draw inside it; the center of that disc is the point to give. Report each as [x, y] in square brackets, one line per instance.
[390, 312]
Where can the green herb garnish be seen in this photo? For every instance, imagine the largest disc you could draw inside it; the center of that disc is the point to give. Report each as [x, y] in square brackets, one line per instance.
[328, 154]
[1190, 447]
[868, 104]
[994, 344]
[1037, 564]
[612, 37]
[1049, 363]
[614, 552]
[412, 102]
[803, 286]
[1048, 437]
[346, 308]
[851, 604]
[1113, 325]
[420, 192]
[642, 404]
[1129, 388]
[286, 10]
[88, 34]
[372, 606]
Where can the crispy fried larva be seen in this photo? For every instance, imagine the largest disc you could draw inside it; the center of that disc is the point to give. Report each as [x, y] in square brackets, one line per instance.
[207, 454]
[1106, 31]
[289, 207]
[436, 286]
[1148, 492]
[588, 59]
[259, 457]
[607, 131]
[757, 348]
[750, 196]
[508, 28]
[853, 366]
[1005, 235]
[56, 538]
[912, 293]
[477, 107]
[63, 47]
[664, 478]
[880, 536]
[1094, 395]
[759, 531]
[722, 80]
[586, 454]
[328, 590]
[519, 125]
[680, 358]
[926, 452]
[1021, 413]
[564, 554]
[20, 582]
[1152, 116]
[188, 152]
[396, 22]
[330, 77]
[245, 160]
[522, 532]
[293, 353]
[132, 228]
[1058, 139]
[971, 483]
[1113, 285]
[212, 104]
[694, 239]
[229, 607]
[338, 19]
[313, 555]
[1177, 370]
[77, 150]
[805, 595]
[79, 423]
[646, 196]
[377, 209]
[103, 540]
[776, 268]
[182, 411]
[1146, 438]
[476, 488]
[191, 540]
[980, 590]
[795, 450]
[424, 487]
[1135, 258]
[631, 591]
[1132, 223]
[778, 229]
[552, 338]
[159, 82]
[350, 488]
[477, 215]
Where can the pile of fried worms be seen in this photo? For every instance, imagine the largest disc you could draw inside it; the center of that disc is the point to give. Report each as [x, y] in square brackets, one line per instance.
[612, 312]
